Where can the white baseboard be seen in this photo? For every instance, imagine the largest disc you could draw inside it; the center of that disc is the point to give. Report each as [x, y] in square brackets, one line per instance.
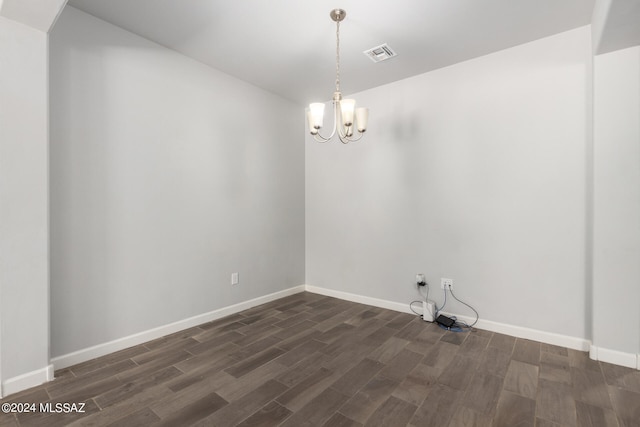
[376, 302]
[83, 355]
[629, 360]
[31, 379]
[503, 328]
[567, 341]
[28, 380]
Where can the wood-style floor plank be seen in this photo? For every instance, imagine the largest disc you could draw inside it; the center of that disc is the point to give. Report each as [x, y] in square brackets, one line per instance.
[194, 411]
[555, 367]
[459, 372]
[339, 420]
[366, 401]
[238, 410]
[358, 376]
[594, 416]
[502, 342]
[418, 384]
[272, 414]
[620, 376]
[392, 411]
[627, 406]
[465, 417]
[555, 403]
[522, 379]
[303, 392]
[318, 410]
[312, 360]
[483, 393]
[438, 408]
[514, 410]
[494, 361]
[526, 351]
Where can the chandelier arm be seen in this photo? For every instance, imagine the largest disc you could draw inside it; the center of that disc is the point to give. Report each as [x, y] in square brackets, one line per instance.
[347, 139]
[344, 138]
[352, 139]
[335, 124]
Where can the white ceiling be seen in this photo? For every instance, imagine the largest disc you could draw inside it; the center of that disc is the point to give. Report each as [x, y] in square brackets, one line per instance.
[38, 14]
[288, 46]
[616, 25]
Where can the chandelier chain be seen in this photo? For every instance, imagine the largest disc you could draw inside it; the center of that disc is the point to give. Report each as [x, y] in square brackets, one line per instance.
[337, 56]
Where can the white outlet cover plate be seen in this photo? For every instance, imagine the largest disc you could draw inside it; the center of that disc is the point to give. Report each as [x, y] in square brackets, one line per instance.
[446, 283]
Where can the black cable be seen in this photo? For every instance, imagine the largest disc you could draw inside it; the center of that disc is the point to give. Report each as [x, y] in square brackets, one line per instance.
[443, 304]
[458, 325]
[427, 297]
[462, 302]
[411, 307]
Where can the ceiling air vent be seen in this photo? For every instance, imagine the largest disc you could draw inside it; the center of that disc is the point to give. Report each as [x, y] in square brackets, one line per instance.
[380, 53]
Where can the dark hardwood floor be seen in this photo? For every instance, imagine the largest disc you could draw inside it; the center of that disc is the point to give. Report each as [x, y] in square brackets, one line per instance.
[311, 360]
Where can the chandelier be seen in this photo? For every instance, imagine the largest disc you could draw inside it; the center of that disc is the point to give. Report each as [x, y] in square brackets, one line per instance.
[344, 110]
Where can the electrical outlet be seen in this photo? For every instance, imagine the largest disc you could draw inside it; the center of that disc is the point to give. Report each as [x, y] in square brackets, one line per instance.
[234, 278]
[420, 279]
[446, 283]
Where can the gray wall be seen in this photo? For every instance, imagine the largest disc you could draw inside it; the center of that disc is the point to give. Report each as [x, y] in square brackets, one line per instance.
[616, 264]
[476, 172]
[166, 177]
[24, 265]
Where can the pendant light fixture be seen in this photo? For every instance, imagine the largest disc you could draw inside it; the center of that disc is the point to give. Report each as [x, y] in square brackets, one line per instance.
[346, 117]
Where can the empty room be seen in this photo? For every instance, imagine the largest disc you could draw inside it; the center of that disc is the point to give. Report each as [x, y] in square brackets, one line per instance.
[311, 213]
